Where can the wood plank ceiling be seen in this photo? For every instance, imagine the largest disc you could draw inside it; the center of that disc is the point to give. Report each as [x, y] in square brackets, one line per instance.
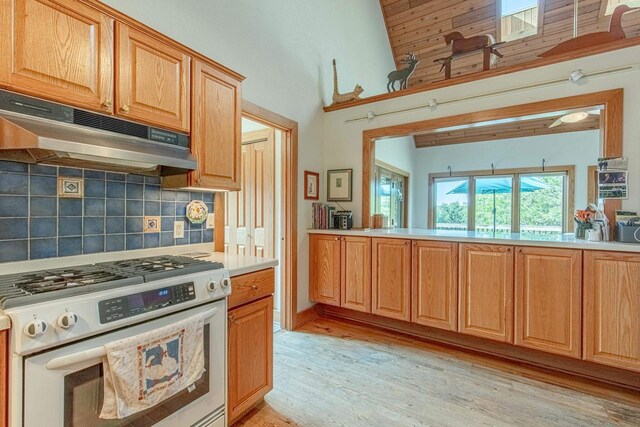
[419, 26]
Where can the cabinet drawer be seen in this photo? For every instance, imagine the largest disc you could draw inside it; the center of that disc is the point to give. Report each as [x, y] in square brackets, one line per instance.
[252, 286]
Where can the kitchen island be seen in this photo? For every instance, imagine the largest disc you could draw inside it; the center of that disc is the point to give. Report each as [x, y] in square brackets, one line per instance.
[554, 301]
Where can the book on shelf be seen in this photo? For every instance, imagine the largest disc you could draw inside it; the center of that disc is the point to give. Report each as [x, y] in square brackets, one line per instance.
[322, 216]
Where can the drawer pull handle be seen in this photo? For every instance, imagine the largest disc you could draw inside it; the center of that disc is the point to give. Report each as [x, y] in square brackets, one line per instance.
[124, 108]
[107, 104]
[254, 287]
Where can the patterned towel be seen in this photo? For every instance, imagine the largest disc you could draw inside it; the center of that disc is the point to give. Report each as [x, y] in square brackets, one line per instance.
[142, 371]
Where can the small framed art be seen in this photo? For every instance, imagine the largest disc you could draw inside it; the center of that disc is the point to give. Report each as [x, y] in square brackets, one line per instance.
[339, 185]
[311, 185]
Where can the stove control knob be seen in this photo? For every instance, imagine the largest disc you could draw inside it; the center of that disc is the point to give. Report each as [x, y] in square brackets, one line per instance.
[67, 320]
[35, 328]
[212, 286]
[226, 283]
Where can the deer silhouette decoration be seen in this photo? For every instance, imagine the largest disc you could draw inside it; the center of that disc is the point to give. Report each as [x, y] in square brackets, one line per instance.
[403, 75]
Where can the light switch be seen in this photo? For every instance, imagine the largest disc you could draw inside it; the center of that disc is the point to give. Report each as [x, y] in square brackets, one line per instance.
[210, 219]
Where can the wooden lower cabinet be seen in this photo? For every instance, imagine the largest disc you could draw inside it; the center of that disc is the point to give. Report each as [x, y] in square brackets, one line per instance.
[250, 356]
[391, 278]
[548, 299]
[355, 283]
[4, 377]
[611, 330]
[435, 284]
[486, 291]
[324, 269]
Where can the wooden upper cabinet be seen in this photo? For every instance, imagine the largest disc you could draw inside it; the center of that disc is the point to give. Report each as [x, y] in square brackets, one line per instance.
[435, 284]
[391, 278]
[59, 50]
[324, 269]
[152, 80]
[548, 300]
[486, 291]
[250, 355]
[611, 331]
[355, 289]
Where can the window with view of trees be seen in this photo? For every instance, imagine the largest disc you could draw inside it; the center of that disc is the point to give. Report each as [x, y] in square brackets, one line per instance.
[520, 201]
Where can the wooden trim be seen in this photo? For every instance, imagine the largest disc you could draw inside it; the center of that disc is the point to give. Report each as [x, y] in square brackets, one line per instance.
[306, 316]
[139, 26]
[592, 184]
[481, 75]
[392, 168]
[218, 221]
[4, 378]
[290, 200]
[612, 129]
[587, 377]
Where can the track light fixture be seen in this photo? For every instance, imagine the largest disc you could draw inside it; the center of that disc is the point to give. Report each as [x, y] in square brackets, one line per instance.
[576, 76]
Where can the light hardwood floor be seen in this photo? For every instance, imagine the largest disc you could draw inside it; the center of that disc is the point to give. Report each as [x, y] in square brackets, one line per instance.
[335, 373]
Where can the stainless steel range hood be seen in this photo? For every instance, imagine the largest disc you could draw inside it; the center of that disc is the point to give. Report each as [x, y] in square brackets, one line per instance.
[57, 138]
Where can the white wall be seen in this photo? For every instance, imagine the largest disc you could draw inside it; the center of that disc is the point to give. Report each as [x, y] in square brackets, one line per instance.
[576, 148]
[344, 140]
[401, 153]
[284, 48]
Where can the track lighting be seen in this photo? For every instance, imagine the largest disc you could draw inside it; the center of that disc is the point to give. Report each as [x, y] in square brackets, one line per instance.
[576, 76]
[371, 115]
[433, 104]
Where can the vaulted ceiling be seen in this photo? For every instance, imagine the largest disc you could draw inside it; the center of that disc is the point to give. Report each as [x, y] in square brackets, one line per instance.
[419, 26]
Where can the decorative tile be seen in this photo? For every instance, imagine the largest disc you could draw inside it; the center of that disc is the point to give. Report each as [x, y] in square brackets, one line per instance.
[152, 240]
[43, 248]
[43, 227]
[44, 185]
[92, 244]
[115, 242]
[14, 206]
[93, 225]
[44, 206]
[11, 183]
[94, 207]
[37, 169]
[70, 226]
[70, 187]
[70, 207]
[68, 246]
[133, 241]
[14, 228]
[116, 190]
[151, 224]
[94, 188]
[115, 225]
[14, 250]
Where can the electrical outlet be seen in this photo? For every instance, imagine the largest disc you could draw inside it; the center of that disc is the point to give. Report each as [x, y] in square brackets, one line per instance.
[210, 219]
[178, 230]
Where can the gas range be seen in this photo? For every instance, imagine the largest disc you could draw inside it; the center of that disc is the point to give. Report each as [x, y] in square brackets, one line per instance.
[51, 307]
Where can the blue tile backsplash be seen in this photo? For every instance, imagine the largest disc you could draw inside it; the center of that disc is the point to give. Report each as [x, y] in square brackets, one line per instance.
[35, 223]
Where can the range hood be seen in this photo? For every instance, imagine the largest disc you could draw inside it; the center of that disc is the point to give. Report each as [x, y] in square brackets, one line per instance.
[36, 131]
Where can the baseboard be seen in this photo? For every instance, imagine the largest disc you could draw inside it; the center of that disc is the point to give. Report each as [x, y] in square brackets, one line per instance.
[575, 374]
[307, 316]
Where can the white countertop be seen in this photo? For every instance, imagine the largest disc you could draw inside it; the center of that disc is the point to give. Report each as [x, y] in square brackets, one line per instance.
[552, 241]
[236, 264]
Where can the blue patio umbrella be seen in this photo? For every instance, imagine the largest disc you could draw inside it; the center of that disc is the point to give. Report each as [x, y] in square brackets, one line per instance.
[500, 185]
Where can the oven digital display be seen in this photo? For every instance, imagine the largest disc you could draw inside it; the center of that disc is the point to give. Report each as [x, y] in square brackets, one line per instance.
[134, 304]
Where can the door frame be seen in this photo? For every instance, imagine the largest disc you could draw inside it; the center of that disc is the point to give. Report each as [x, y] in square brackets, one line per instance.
[289, 288]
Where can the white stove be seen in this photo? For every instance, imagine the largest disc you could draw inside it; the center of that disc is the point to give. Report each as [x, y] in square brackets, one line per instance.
[62, 318]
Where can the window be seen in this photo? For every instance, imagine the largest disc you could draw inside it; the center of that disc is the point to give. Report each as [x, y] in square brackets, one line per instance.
[503, 202]
[520, 18]
[391, 197]
[612, 4]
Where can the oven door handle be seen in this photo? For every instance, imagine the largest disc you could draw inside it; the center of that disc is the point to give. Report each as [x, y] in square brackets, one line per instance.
[97, 352]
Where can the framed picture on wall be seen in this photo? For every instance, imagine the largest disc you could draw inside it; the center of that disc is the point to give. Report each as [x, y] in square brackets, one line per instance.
[311, 185]
[339, 185]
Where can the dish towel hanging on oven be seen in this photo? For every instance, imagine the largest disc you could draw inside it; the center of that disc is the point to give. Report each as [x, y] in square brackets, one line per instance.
[144, 370]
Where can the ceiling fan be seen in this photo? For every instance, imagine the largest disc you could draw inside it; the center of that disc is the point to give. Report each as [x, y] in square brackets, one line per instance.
[574, 117]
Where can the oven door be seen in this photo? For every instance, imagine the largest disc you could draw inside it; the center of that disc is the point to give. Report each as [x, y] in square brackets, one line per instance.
[69, 391]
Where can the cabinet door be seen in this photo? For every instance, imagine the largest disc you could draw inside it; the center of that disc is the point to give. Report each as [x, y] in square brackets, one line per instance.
[152, 80]
[324, 269]
[60, 50]
[486, 291]
[4, 376]
[391, 278]
[356, 273]
[612, 309]
[435, 284]
[548, 300]
[217, 128]
[250, 355]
